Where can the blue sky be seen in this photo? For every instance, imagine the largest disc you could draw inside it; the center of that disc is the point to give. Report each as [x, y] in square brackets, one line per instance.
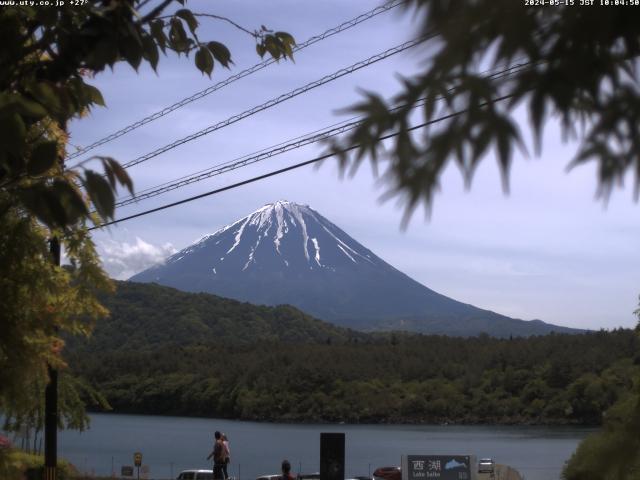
[548, 250]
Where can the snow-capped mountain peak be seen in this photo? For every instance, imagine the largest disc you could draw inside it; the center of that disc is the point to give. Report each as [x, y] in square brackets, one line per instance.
[283, 232]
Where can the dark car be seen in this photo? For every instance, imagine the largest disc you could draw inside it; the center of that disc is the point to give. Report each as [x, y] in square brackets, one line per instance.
[387, 473]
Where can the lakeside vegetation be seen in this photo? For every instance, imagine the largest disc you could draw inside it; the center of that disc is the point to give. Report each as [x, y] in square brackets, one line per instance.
[194, 354]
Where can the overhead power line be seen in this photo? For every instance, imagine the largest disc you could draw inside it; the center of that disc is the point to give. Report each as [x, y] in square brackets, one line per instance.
[284, 170]
[277, 100]
[289, 145]
[240, 162]
[255, 68]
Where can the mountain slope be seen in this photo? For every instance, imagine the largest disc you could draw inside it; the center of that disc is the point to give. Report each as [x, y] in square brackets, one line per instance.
[285, 253]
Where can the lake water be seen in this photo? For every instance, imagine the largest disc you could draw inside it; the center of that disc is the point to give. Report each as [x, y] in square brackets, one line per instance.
[172, 444]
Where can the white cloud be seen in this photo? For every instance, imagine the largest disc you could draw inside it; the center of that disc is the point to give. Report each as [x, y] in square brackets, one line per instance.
[121, 260]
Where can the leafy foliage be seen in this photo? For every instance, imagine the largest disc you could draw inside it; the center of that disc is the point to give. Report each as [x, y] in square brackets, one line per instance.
[27, 419]
[39, 301]
[15, 463]
[47, 54]
[169, 352]
[578, 64]
[614, 452]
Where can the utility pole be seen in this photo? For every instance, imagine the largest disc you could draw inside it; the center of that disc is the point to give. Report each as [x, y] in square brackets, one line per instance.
[51, 399]
[51, 390]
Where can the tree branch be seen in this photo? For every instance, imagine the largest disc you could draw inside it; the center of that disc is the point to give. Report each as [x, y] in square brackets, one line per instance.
[228, 20]
[156, 11]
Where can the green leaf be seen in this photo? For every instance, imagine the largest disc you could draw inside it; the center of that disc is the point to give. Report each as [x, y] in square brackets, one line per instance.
[70, 200]
[157, 30]
[57, 205]
[104, 53]
[46, 94]
[260, 49]
[114, 170]
[16, 103]
[221, 53]
[188, 17]
[101, 194]
[178, 39]
[287, 42]
[273, 46]
[150, 51]
[131, 50]
[285, 37]
[204, 61]
[43, 157]
[13, 133]
[93, 95]
[45, 207]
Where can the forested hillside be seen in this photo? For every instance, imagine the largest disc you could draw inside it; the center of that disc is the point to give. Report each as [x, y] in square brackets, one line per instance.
[150, 316]
[189, 354]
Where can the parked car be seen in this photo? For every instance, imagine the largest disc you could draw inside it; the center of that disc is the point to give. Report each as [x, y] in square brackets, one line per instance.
[387, 473]
[486, 465]
[195, 475]
[300, 476]
[269, 477]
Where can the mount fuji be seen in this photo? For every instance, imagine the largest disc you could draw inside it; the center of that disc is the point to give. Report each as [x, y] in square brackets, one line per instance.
[285, 253]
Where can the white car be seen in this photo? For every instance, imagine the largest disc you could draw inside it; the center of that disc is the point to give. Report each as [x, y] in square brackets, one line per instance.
[269, 477]
[486, 465]
[195, 475]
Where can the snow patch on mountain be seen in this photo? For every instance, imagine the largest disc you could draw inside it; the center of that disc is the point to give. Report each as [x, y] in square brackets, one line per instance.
[238, 236]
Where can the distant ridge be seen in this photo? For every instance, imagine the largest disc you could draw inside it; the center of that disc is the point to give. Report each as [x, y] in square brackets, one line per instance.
[148, 316]
[286, 253]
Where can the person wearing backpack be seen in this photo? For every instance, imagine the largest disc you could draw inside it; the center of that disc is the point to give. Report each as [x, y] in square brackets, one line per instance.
[286, 471]
[218, 457]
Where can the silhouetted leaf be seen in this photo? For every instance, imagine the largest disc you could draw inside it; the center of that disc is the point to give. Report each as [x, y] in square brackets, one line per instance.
[13, 133]
[131, 50]
[43, 157]
[221, 53]
[150, 51]
[204, 61]
[71, 200]
[101, 194]
[157, 30]
[273, 46]
[46, 94]
[178, 39]
[94, 95]
[188, 17]
[115, 173]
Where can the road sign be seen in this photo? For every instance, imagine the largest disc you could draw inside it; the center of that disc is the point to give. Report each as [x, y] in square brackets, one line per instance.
[439, 467]
[137, 459]
[126, 471]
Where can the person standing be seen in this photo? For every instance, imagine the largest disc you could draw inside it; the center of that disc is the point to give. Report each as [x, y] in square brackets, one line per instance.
[286, 471]
[218, 456]
[227, 455]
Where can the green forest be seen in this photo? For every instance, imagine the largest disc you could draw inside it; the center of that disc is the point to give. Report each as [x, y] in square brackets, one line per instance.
[169, 352]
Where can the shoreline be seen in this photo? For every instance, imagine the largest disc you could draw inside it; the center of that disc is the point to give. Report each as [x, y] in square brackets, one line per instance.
[391, 421]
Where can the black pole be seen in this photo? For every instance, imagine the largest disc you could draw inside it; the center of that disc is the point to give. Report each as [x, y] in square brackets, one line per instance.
[51, 399]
